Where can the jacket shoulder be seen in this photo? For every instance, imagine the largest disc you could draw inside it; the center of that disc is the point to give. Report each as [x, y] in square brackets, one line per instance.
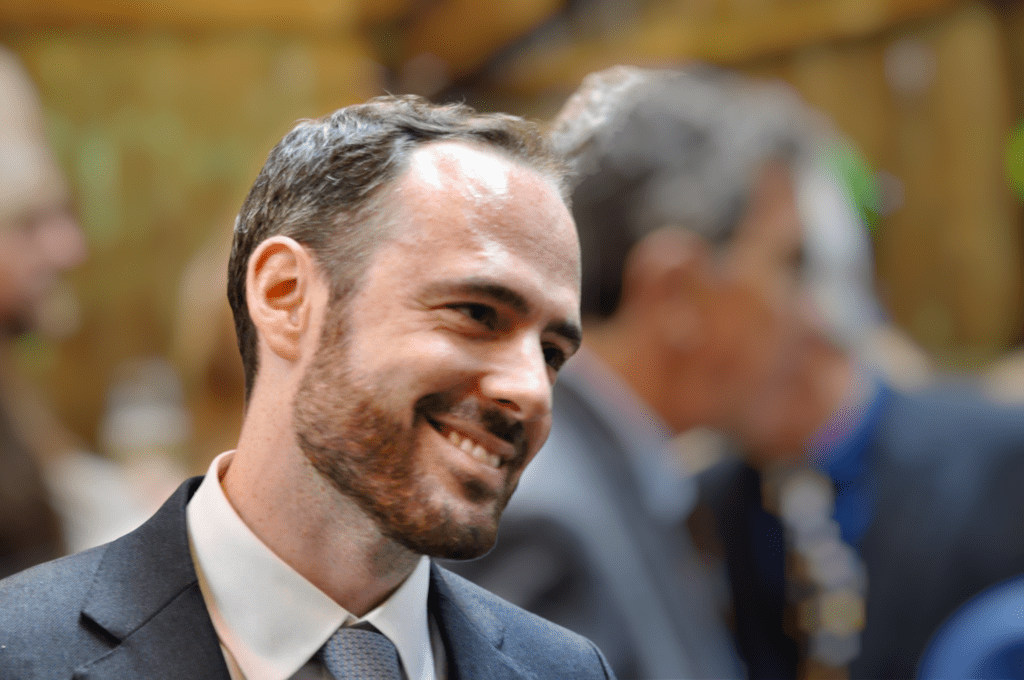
[45, 590]
[41, 632]
[949, 420]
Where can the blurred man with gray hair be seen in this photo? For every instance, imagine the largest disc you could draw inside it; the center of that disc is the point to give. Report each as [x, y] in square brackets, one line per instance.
[693, 307]
[727, 284]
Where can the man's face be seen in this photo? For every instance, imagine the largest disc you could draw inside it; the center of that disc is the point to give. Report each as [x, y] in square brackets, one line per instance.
[760, 310]
[35, 246]
[432, 390]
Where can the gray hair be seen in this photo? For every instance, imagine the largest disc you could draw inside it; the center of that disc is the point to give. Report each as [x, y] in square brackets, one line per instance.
[667, 148]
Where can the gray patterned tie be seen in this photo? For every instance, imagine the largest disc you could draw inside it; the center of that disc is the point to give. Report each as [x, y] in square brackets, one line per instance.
[360, 654]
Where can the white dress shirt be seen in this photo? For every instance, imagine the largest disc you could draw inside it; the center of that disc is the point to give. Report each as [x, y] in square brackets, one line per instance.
[270, 619]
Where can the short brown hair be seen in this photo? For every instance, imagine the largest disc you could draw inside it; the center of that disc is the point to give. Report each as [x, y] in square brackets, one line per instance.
[320, 183]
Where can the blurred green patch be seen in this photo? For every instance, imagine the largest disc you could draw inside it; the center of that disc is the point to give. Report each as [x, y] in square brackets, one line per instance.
[859, 180]
[1014, 160]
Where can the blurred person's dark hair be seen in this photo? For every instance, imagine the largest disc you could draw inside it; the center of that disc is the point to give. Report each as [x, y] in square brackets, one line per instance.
[658, 148]
[335, 170]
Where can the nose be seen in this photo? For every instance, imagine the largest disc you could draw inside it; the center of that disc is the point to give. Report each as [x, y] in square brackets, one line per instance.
[62, 239]
[518, 380]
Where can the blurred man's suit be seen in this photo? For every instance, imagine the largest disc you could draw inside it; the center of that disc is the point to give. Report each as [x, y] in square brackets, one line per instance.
[133, 609]
[595, 539]
[942, 473]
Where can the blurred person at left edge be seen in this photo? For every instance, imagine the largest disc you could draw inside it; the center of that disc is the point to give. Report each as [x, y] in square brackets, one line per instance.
[39, 238]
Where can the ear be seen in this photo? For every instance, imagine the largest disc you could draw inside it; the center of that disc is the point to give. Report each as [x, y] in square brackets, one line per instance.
[667, 279]
[279, 289]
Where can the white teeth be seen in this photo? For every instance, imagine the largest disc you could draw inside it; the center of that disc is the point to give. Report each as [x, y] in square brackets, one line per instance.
[482, 455]
[472, 448]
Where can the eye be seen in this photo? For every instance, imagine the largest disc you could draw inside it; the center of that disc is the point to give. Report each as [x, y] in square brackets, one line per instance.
[482, 314]
[554, 356]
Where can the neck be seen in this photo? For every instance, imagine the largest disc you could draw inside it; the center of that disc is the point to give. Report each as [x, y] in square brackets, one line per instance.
[847, 391]
[305, 521]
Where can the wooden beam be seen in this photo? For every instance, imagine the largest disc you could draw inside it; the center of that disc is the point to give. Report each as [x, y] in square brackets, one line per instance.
[314, 16]
[466, 33]
[668, 35]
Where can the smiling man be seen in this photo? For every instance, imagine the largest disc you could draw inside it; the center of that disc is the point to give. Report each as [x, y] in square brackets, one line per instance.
[405, 281]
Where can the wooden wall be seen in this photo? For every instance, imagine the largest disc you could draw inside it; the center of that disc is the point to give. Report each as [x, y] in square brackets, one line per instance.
[163, 111]
[162, 129]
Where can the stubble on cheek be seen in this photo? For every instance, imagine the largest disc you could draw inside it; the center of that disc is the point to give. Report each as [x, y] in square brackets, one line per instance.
[369, 455]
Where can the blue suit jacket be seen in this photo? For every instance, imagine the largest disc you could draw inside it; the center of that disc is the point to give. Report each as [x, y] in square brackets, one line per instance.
[948, 521]
[133, 609]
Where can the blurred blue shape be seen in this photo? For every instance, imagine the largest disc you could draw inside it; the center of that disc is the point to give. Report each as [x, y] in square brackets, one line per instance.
[983, 639]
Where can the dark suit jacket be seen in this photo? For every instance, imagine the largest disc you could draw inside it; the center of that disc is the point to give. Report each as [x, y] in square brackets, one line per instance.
[579, 545]
[133, 609]
[948, 522]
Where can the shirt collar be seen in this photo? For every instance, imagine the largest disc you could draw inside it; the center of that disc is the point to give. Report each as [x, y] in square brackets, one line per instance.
[269, 617]
[668, 490]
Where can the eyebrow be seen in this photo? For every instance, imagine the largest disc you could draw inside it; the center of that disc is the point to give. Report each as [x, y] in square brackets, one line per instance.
[486, 288]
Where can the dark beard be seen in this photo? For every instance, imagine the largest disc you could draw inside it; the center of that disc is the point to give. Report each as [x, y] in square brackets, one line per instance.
[368, 455]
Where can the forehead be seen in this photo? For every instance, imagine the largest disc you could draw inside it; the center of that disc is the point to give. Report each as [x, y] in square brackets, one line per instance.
[771, 226]
[458, 201]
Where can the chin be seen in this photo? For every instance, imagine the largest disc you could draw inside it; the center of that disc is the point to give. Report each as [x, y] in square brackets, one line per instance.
[450, 540]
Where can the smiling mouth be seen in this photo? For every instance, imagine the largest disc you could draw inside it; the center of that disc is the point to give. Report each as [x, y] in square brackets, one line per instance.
[466, 444]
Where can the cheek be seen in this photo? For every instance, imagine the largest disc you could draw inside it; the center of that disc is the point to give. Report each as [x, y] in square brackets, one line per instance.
[747, 331]
[537, 436]
[403, 370]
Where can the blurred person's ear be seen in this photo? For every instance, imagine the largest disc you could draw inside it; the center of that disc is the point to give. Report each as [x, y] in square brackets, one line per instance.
[666, 284]
[281, 285]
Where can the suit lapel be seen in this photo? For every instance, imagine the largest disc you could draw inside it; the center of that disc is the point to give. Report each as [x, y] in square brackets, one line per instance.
[174, 644]
[472, 634]
[146, 598]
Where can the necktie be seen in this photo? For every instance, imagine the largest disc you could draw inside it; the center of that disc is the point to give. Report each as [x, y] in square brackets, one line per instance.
[359, 654]
[827, 578]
